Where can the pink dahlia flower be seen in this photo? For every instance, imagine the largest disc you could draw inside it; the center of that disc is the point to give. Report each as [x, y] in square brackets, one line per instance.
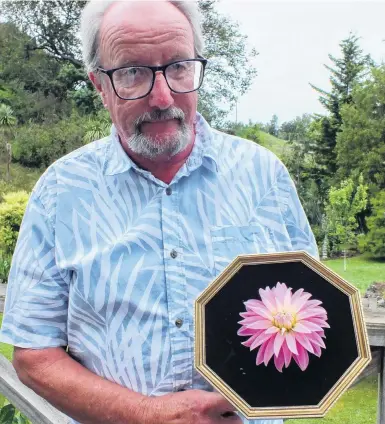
[285, 325]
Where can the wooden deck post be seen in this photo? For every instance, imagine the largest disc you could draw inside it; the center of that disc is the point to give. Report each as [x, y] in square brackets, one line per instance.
[381, 390]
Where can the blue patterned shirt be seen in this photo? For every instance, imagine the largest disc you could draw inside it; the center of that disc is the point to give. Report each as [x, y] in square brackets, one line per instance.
[110, 260]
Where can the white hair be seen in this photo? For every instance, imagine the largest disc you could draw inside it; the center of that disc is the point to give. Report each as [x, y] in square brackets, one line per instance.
[92, 16]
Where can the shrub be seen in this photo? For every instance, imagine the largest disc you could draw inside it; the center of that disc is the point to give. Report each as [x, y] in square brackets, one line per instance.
[38, 146]
[5, 266]
[10, 415]
[11, 214]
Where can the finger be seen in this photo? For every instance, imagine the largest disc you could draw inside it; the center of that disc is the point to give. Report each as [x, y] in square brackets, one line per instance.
[222, 403]
[228, 414]
[230, 417]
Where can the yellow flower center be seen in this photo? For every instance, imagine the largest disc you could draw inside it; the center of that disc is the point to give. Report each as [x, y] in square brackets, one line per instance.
[283, 320]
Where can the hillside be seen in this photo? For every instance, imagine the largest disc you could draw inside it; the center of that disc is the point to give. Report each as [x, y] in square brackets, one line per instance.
[23, 178]
[276, 145]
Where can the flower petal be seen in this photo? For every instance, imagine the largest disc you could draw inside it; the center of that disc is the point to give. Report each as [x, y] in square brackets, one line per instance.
[317, 350]
[287, 299]
[247, 314]
[311, 326]
[262, 311]
[272, 330]
[316, 338]
[302, 358]
[251, 320]
[287, 354]
[279, 339]
[313, 302]
[299, 328]
[268, 299]
[291, 343]
[303, 340]
[259, 340]
[261, 353]
[253, 302]
[279, 361]
[296, 295]
[299, 303]
[260, 325]
[244, 331]
[310, 312]
[250, 341]
[269, 352]
[320, 322]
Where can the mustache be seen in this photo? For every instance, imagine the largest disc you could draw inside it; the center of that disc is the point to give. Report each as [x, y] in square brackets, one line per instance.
[160, 115]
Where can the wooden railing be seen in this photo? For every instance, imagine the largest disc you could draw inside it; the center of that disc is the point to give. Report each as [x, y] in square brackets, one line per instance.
[375, 324]
[35, 408]
[41, 412]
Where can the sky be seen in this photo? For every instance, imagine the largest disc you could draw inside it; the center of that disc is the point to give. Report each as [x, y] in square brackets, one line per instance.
[293, 39]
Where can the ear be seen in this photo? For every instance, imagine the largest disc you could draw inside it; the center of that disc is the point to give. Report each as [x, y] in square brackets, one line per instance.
[97, 83]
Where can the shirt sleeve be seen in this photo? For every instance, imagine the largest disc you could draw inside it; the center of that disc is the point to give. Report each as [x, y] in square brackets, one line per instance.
[297, 224]
[37, 296]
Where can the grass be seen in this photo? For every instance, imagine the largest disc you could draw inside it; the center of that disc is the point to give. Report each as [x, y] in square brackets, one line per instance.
[361, 270]
[276, 145]
[22, 178]
[356, 406]
[7, 351]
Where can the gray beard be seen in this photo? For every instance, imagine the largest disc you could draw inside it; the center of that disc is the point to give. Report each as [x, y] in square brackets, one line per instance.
[151, 148]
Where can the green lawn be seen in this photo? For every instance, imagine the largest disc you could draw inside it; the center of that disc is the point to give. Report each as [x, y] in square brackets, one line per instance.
[5, 350]
[361, 271]
[357, 406]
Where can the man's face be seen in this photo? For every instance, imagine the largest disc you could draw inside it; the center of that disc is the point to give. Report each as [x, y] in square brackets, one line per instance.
[153, 34]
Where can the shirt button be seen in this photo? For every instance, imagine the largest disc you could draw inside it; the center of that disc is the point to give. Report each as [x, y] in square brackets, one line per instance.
[173, 253]
[168, 191]
[179, 322]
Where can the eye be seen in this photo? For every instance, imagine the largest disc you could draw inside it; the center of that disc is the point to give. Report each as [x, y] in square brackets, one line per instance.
[178, 67]
[131, 76]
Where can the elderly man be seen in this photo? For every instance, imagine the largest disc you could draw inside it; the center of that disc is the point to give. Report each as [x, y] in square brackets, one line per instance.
[120, 236]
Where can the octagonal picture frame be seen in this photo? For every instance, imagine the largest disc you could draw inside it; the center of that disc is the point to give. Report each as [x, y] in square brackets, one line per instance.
[262, 391]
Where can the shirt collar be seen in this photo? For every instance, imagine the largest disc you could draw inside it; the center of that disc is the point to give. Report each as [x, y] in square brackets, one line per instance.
[117, 161]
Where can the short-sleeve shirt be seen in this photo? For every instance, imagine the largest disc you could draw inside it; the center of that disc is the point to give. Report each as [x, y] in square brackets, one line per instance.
[110, 260]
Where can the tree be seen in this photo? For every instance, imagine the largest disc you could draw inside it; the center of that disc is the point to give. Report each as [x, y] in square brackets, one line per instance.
[52, 26]
[297, 129]
[345, 73]
[344, 204]
[273, 126]
[35, 86]
[361, 141]
[230, 72]
[374, 241]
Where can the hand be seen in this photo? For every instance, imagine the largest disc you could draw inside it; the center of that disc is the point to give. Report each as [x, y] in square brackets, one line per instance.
[191, 407]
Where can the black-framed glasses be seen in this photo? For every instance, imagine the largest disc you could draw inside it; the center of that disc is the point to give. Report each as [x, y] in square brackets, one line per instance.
[136, 82]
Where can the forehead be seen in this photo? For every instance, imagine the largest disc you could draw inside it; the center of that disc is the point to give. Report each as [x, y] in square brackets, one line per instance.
[151, 31]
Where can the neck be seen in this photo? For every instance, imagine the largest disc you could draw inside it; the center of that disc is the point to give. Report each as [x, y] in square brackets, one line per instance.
[163, 168]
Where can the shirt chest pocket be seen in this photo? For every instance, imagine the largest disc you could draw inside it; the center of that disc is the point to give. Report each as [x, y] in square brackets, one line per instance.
[231, 241]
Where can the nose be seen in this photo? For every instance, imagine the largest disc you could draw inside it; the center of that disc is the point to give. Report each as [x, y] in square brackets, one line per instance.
[160, 96]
